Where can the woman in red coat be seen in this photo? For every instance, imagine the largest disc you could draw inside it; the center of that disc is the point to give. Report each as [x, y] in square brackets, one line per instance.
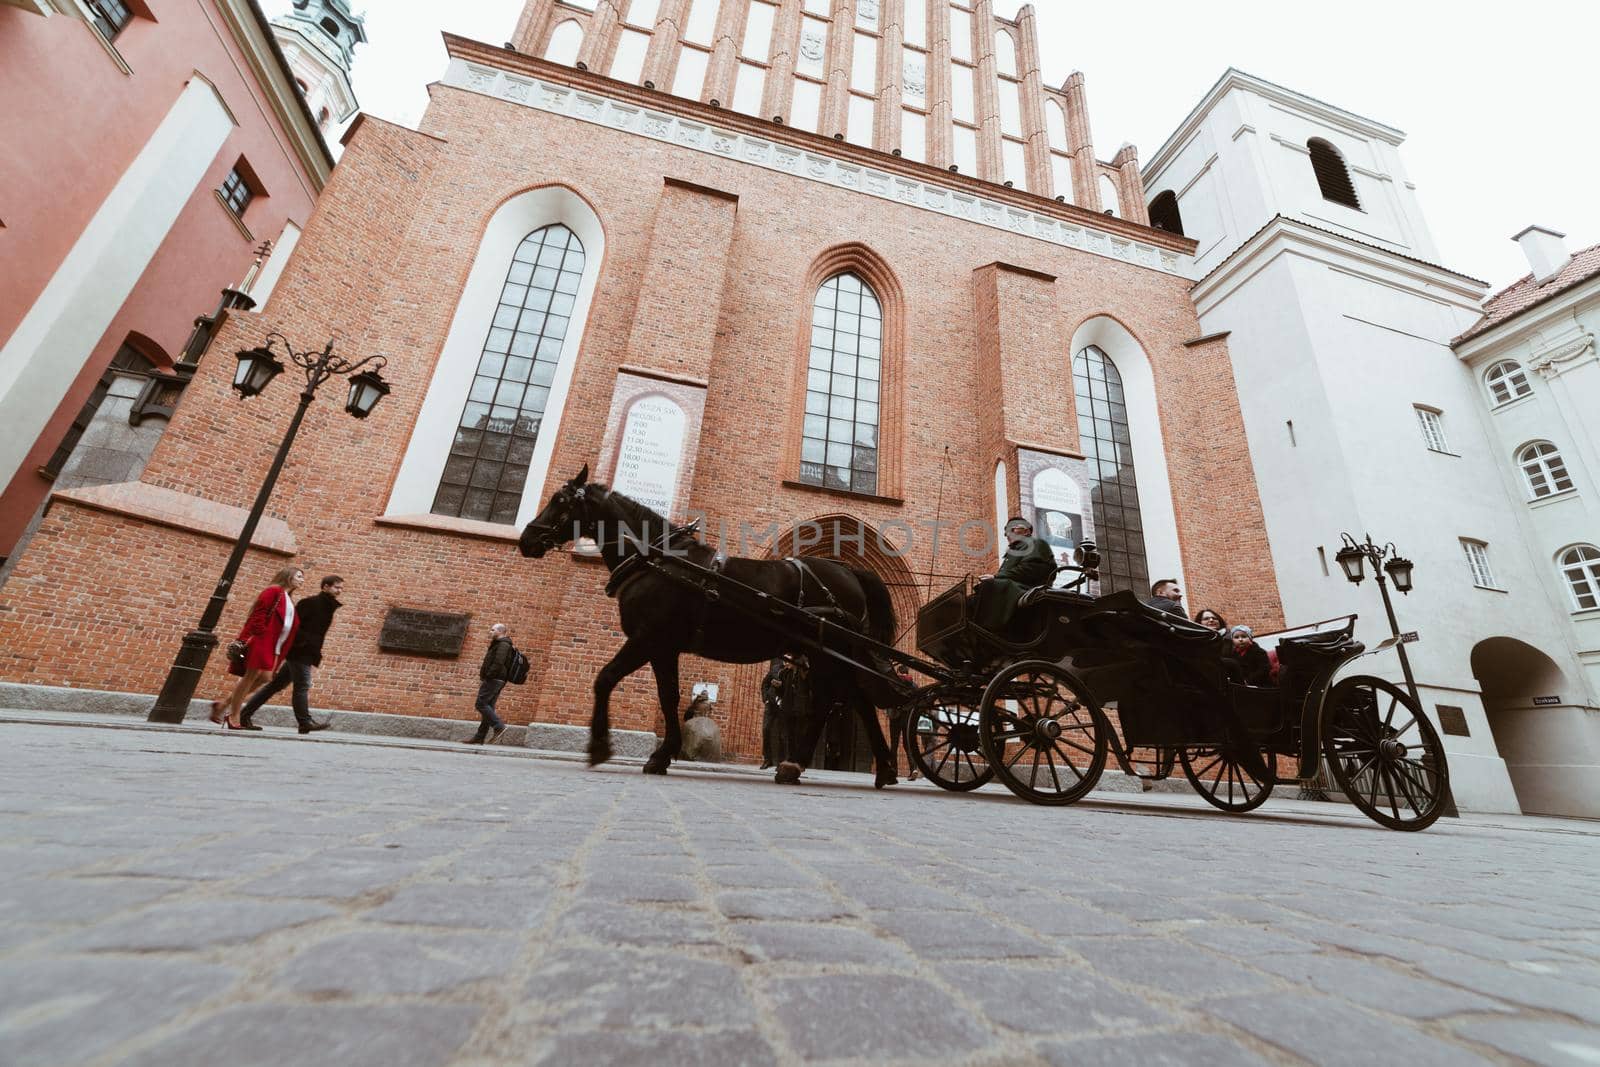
[267, 633]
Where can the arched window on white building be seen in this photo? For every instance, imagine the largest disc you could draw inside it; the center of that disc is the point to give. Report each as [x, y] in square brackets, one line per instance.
[1333, 176]
[1506, 381]
[1543, 469]
[1107, 444]
[484, 438]
[1580, 566]
[565, 43]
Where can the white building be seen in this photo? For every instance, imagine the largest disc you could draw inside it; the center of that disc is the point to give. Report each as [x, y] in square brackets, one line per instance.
[319, 39]
[1315, 258]
[1533, 359]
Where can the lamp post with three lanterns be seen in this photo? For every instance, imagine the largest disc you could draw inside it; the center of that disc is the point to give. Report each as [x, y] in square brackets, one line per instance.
[257, 367]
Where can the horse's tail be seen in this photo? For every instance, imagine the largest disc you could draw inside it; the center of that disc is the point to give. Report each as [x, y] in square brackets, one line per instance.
[880, 608]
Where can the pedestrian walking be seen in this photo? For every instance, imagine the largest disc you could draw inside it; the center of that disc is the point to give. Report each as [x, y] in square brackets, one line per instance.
[267, 633]
[492, 678]
[774, 732]
[315, 615]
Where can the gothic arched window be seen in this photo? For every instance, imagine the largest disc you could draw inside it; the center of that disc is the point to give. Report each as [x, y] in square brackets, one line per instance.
[1107, 445]
[1507, 381]
[494, 441]
[1543, 469]
[839, 442]
[565, 43]
[1164, 213]
[1333, 177]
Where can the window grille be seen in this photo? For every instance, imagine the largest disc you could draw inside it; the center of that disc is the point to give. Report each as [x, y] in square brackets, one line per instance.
[1105, 438]
[1432, 424]
[839, 441]
[487, 469]
[1477, 554]
[1580, 566]
[1333, 177]
[1544, 469]
[236, 192]
[1507, 381]
[110, 17]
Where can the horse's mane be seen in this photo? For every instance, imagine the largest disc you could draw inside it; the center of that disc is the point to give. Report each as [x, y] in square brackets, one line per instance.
[631, 508]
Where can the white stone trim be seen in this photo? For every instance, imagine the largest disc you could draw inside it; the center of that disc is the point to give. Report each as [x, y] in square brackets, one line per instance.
[43, 356]
[418, 480]
[558, 99]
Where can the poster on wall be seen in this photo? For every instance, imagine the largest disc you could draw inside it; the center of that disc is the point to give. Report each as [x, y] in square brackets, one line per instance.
[1055, 498]
[651, 439]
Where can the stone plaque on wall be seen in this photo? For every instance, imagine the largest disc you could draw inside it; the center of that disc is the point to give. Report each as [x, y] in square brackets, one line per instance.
[1452, 720]
[652, 437]
[423, 633]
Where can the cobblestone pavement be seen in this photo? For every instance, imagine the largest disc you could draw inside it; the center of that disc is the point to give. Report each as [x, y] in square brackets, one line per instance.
[179, 897]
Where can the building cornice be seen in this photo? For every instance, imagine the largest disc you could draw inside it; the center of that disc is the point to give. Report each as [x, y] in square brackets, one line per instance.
[526, 81]
[250, 27]
[1531, 319]
[1233, 78]
[1285, 235]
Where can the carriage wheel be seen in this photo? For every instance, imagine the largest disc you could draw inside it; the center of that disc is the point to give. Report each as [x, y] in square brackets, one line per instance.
[1384, 753]
[1223, 781]
[942, 742]
[1044, 735]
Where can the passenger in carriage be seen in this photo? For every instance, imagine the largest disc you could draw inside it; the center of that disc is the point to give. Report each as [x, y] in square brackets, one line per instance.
[1029, 563]
[1251, 657]
[1166, 596]
[1211, 620]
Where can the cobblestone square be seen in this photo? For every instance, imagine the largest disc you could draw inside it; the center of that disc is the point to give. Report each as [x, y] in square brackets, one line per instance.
[186, 897]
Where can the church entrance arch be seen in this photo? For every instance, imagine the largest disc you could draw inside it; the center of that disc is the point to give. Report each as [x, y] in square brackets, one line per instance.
[858, 544]
[1549, 741]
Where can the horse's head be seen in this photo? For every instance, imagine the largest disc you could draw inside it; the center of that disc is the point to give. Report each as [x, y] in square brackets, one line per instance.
[562, 519]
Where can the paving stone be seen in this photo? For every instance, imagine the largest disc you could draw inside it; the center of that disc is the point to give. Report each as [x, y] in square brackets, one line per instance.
[1058, 999]
[397, 962]
[892, 892]
[634, 924]
[736, 1049]
[18, 862]
[782, 904]
[338, 874]
[484, 907]
[269, 1035]
[1149, 907]
[588, 989]
[1545, 1042]
[1377, 985]
[1519, 987]
[957, 935]
[872, 1017]
[1170, 966]
[1330, 1033]
[642, 890]
[1245, 941]
[819, 943]
[217, 860]
[197, 925]
[765, 875]
[78, 900]
[72, 1010]
[1151, 1050]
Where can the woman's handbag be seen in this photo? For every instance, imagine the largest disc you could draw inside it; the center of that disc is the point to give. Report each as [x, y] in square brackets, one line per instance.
[237, 651]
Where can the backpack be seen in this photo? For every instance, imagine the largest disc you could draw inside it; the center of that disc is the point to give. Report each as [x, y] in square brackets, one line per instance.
[516, 667]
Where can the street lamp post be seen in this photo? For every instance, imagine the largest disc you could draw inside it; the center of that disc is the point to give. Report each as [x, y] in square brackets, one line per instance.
[1352, 559]
[257, 367]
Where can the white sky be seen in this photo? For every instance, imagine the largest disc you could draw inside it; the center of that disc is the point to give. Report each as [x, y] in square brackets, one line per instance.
[1499, 100]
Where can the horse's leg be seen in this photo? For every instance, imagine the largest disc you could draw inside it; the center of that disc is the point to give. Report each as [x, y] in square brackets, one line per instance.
[888, 773]
[666, 672]
[629, 658]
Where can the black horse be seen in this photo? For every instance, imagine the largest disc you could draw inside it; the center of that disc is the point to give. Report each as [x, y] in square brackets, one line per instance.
[664, 618]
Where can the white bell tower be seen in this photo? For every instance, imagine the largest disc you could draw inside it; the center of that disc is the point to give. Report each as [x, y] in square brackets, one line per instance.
[319, 38]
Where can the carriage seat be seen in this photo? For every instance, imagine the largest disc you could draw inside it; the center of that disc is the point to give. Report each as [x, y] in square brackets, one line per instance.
[1046, 594]
[1123, 616]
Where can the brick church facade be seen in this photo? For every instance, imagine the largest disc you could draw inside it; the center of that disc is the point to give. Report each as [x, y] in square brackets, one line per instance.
[872, 315]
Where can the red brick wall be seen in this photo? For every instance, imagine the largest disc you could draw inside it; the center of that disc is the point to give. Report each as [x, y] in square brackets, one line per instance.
[102, 602]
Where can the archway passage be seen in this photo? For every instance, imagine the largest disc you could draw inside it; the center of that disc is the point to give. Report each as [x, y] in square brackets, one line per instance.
[1549, 741]
[855, 543]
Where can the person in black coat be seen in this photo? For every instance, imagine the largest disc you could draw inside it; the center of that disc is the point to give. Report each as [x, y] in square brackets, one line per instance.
[1029, 563]
[315, 615]
[774, 742]
[493, 673]
[1251, 657]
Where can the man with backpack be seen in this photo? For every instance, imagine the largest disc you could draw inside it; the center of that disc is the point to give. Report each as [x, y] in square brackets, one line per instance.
[502, 663]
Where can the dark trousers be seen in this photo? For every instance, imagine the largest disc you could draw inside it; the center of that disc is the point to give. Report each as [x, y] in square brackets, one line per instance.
[291, 673]
[774, 734]
[488, 697]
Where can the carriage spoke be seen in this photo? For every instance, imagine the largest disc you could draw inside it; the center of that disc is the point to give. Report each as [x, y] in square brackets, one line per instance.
[1064, 759]
[1201, 771]
[1049, 758]
[1022, 750]
[944, 759]
[1394, 702]
[1034, 780]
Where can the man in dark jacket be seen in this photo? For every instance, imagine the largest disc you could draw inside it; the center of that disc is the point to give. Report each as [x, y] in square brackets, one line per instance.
[1166, 596]
[1029, 563]
[316, 615]
[492, 675]
[774, 743]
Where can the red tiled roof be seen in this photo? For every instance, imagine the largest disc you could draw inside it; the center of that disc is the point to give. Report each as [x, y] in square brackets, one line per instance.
[1524, 293]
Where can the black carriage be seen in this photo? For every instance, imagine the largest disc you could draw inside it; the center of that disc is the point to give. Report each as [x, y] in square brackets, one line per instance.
[1077, 678]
